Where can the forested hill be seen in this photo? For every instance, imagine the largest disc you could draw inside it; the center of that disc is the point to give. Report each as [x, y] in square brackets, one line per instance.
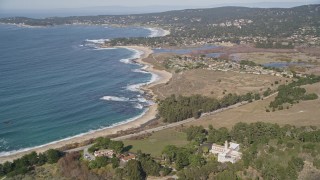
[301, 14]
[200, 23]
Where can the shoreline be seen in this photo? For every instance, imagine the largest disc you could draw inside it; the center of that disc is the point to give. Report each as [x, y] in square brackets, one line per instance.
[148, 115]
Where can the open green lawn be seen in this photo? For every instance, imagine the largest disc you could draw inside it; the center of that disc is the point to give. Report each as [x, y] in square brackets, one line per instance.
[155, 143]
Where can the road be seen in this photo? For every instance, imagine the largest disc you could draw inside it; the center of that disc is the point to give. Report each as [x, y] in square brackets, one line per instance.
[169, 125]
[88, 155]
[172, 125]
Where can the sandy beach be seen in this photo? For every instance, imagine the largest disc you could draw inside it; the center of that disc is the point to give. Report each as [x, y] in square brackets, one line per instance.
[162, 77]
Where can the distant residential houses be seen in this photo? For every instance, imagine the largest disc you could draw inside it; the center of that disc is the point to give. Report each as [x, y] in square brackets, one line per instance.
[189, 62]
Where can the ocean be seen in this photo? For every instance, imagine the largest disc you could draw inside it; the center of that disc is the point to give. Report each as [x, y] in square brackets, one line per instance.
[55, 83]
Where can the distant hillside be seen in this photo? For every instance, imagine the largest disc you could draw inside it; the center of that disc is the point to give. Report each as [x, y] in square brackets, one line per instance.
[222, 22]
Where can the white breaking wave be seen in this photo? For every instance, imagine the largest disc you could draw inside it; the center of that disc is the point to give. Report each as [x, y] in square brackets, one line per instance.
[143, 100]
[126, 61]
[157, 32]
[99, 48]
[154, 78]
[114, 98]
[135, 87]
[97, 41]
[140, 71]
[138, 106]
[137, 54]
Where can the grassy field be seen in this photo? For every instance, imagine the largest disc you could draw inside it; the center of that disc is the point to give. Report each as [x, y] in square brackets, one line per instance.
[305, 113]
[157, 141]
[267, 57]
[214, 83]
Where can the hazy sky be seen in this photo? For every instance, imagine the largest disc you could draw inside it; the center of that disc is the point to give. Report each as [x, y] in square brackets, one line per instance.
[54, 4]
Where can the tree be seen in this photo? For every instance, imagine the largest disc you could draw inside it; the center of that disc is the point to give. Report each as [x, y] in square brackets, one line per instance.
[7, 167]
[196, 160]
[149, 166]
[134, 170]
[218, 136]
[32, 158]
[115, 162]
[117, 146]
[227, 175]
[169, 153]
[182, 159]
[196, 133]
[99, 162]
[165, 171]
[42, 159]
[53, 156]
[2, 173]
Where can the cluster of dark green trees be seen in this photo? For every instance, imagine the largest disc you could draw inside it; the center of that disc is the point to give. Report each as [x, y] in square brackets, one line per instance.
[243, 133]
[141, 167]
[106, 143]
[174, 109]
[103, 161]
[182, 156]
[254, 138]
[292, 93]
[144, 165]
[28, 162]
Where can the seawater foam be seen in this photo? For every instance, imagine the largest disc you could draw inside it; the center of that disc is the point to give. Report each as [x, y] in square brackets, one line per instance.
[126, 61]
[99, 48]
[135, 87]
[140, 71]
[139, 99]
[3, 143]
[156, 32]
[97, 41]
[114, 98]
[138, 106]
[143, 100]
[137, 54]
[95, 44]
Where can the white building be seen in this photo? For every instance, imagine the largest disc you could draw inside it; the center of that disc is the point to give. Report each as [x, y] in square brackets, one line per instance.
[227, 153]
[106, 152]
